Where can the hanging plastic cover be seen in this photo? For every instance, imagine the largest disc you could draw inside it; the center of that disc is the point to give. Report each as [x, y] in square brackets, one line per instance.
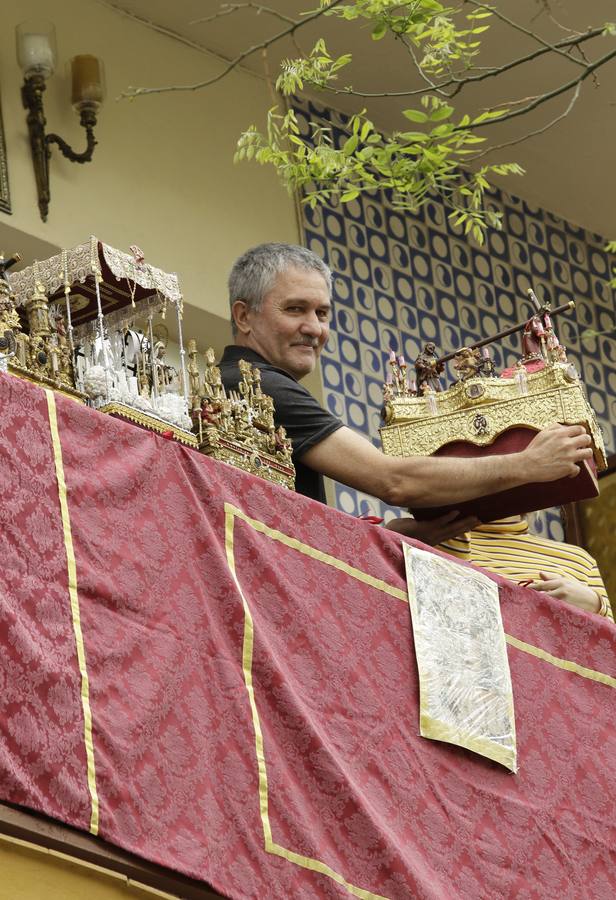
[464, 679]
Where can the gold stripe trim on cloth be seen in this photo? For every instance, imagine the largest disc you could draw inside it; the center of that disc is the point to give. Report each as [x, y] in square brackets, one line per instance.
[75, 612]
[231, 514]
[465, 693]
[560, 663]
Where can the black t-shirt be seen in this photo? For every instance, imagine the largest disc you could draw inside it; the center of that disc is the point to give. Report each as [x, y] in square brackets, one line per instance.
[305, 422]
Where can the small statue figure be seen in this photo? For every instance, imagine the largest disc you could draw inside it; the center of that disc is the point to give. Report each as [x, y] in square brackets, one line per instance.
[559, 355]
[245, 387]
[212, 382]
[388, 390]
[430, 394]
[521, 378]
[144, 383]
[533, 340]
[428, 368]
[467, 363]
[487, 367]
[60, 354]
[256, 383]
[165, 375]
[194, 377]
[225, 417]
[240, 416]
[283, 445]
[9, 317]
[208, 413]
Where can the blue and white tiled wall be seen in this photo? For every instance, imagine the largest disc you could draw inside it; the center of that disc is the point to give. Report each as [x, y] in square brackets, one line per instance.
[404, 279]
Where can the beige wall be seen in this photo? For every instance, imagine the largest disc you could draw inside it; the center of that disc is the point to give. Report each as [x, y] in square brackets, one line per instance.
[162, 176]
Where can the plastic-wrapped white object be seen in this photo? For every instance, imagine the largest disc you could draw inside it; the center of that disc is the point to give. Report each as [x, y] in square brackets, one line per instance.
[464, 680]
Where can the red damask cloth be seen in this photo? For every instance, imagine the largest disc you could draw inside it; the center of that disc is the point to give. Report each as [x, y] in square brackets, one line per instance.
[262, 734]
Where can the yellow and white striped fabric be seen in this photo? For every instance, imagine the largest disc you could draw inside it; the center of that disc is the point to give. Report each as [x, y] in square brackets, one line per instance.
[506, 548]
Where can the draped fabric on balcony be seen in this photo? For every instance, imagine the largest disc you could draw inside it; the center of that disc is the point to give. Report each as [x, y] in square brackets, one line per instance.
[218, 675]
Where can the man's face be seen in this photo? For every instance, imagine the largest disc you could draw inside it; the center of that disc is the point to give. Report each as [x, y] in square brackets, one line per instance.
[292, 325]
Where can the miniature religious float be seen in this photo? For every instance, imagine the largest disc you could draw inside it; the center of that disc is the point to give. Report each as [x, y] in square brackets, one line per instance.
[90, 322]
[238, 427]
[481, 414]
[106, 309]
[34, 343]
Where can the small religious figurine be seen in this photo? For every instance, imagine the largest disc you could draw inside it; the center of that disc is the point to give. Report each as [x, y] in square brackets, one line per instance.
[208, 413]
[521, 378]
[467, 363]
[284, 445]
[64, 368]
[225, 418]
[245, 386]
[212, 382]
[428, 368]
[165, 375]
[533, 340]
[559, 355]
[9, 317]
[388, 389]
[194, 377]
[144, 384]
[240, 415]
[487, 367]
[256, 382]
[430, 394]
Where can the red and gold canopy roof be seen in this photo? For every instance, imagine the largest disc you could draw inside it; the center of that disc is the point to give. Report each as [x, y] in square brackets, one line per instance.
[126, 280]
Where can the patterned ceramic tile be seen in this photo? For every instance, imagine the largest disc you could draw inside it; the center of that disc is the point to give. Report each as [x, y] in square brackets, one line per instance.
[405, 279]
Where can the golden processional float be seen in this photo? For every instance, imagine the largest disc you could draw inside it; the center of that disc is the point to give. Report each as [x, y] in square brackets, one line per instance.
[483, 414]
[90, 323]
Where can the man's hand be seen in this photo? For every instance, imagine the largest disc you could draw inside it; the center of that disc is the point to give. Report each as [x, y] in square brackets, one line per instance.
[569, 590]
[556, 452]
[435, 531]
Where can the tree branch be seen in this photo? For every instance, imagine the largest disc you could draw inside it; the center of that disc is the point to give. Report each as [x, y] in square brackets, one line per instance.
[286, 32]
[499, 15]
[431, 84]
[543, 98]
[490, 72]
[161, 29]
[227, 9]
[531, 134]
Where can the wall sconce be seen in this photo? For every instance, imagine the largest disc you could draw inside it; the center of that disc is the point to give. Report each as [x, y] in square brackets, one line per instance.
[36, 55]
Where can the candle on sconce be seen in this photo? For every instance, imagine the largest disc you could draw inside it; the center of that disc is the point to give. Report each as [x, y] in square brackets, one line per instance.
[36, 47]
[37, 54]
[485, 353]
[392, 356]
[401, 362]
[87, 81]
[389, 379]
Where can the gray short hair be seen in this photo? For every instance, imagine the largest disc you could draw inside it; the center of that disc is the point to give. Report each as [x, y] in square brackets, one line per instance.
[255, 272]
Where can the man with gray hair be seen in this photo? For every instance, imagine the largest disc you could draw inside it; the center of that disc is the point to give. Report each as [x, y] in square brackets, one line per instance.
[280, 299]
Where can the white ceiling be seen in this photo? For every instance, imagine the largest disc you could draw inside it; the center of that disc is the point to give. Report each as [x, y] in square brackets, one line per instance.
[570, 168]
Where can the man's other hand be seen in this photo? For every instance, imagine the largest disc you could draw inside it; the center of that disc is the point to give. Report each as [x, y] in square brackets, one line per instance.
[435, 531]
[556, 453]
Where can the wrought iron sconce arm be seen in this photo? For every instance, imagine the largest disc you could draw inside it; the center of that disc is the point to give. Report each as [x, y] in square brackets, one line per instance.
[87, 119]
[36, 55]
[40, 142]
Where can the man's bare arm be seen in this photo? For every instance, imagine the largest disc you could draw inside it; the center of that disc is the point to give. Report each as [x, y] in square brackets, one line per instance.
[421, 481]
